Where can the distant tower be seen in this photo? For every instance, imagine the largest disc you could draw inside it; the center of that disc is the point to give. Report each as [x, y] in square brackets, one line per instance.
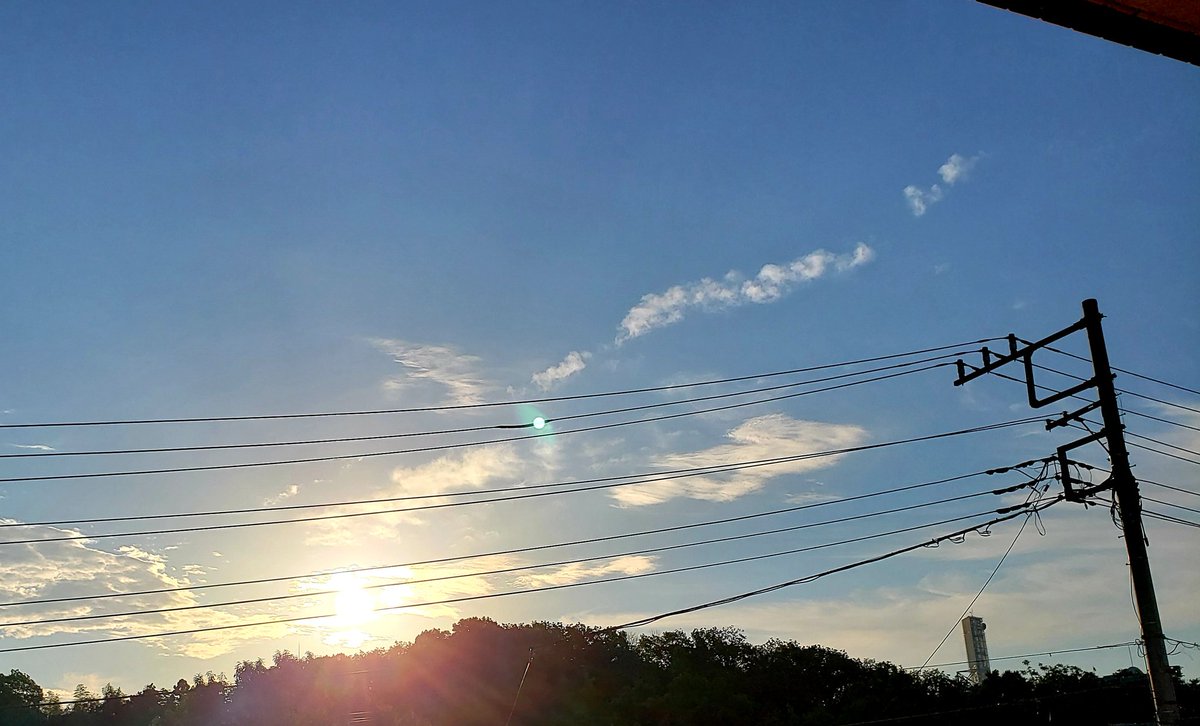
[977, 654]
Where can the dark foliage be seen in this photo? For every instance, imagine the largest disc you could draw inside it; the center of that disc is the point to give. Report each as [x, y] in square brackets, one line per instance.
[470, 676]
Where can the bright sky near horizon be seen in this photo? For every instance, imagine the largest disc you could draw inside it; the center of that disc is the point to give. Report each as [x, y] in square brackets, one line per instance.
[280, 208]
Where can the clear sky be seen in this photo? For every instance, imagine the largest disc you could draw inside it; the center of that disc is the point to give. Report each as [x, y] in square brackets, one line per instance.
[228, 209]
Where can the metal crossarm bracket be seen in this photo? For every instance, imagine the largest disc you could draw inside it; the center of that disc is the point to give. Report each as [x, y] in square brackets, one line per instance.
[1070, 493]
[1067, 418]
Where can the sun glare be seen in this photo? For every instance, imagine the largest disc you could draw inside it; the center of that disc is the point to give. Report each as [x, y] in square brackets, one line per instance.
[353, 604]
[354, 607]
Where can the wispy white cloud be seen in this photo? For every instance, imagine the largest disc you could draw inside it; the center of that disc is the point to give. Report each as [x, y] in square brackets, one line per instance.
[470, 469]
[956, 169]
[33, 447]
[441, 364]
[458, 471]
[75, 569]
[658, 310]
[579, 571]
[762, 437]
[919, 200]
[575, 362]
[290, 491]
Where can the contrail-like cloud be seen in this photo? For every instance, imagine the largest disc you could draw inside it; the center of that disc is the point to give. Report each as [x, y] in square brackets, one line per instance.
[773, 282]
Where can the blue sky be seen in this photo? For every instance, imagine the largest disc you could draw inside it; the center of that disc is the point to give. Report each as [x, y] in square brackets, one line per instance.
[230, 210]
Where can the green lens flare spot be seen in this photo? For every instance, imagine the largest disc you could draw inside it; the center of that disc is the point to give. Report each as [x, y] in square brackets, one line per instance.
[539, 423]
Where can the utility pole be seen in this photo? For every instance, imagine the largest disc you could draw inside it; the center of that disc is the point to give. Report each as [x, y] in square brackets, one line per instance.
[1120, 480]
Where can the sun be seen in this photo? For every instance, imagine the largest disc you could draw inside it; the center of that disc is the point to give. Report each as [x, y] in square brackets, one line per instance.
[353, 604]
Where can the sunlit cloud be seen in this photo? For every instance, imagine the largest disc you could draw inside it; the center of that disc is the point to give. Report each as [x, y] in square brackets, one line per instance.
[468, 469]
[577, 572]
[443, 365]
[956, 169]
[33, 447]
[771, 283]
[78, 569]
[762, 437]
[573, 363]
[288, 492]
[919, 200]
[462, 470]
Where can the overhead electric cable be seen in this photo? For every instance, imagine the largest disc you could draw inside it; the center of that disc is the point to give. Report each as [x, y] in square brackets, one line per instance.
[444, 505]
[1158, 442]
[472, 429]
[1170, 518]
[1157, 515]
[1168, 421]
[1170, 504]
[625, 479]
[1047, 653]
[1135, 445]
[975, 599]
[1168, 454]
[523, 550]
[621, 481]
[492, 404]
[548, 588]
[460, 445]
[538, 566]
[1124, 409]
[1121, 370]
[641, 622]
[1181, 490]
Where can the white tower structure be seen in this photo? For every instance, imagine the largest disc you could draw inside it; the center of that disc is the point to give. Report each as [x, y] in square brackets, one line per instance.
[977, 652]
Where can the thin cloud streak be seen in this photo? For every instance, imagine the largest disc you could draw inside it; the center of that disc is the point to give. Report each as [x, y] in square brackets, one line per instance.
[441, 364]
[762, 437]
[573, 363]
[771, 283]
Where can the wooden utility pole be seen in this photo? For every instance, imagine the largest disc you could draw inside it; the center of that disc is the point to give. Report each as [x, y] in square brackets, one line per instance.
[1121, 481]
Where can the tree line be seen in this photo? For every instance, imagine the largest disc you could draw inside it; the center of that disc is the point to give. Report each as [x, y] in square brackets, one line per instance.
[482, 672]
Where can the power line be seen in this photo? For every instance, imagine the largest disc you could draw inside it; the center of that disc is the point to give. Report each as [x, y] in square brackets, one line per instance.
[1168, 454]
[1172, 488]
[470, 429]
[1048, 653]
[1169, 504]
[1163, 443]
[1158, 515]
[1159, 401]
[461, 445]
[1134, 444]
[444, 505]
[986, 582]
[1121, 370]
[1124, 409]
[492, 404]
[548, 588]
[811, 578]
[1132, 412]
[1170, 518]
[524, 568]
[643, 478]
[523, 550]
